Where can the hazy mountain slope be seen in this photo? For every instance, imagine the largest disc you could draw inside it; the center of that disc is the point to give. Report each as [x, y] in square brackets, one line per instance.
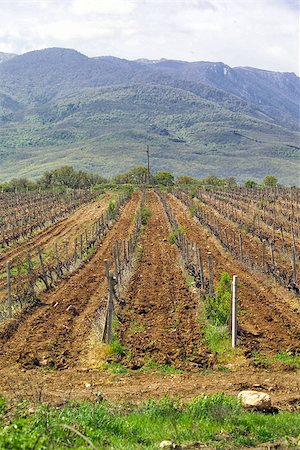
[273, 93]
[6, 56]
[64, 71]
[58, 106]
[40, 76]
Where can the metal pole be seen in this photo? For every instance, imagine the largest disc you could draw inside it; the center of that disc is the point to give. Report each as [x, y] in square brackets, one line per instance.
[211, 283]
[234, 312]
[148, 164]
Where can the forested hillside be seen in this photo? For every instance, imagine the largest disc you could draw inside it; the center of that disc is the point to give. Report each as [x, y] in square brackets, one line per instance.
[58, 106]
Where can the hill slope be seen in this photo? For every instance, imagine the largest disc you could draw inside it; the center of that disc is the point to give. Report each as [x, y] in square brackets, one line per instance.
[6, 56]
[58, 106]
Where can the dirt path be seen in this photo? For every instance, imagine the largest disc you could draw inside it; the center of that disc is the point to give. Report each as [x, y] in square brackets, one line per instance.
[160, 318]
[56, 333]
[270, 318]
[58, 387]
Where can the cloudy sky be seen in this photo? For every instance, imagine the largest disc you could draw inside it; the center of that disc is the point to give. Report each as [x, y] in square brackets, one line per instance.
[259, 33]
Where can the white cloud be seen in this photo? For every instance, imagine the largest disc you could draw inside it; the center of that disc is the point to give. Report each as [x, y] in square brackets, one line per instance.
[259, 33]
[114, 7]
[66, 30]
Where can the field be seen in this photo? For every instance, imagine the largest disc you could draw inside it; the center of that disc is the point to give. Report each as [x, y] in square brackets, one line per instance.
[173, 254]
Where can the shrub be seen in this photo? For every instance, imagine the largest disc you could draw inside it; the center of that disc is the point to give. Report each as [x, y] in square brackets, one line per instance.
[270, 181]
[145, 215]
[217, 308]
[173, 236]
[112, 209]
[116, 348]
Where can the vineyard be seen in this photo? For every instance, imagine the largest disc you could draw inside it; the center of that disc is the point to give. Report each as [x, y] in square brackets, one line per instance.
[128, 292]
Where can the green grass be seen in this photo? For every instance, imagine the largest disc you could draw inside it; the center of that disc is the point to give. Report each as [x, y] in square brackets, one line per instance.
[145, 215]
[173, 235]
[135, 327]
[115, 368]
[190, 280]
[216, 420]
[283, 358]
[160, 369]
[217, 338]
[216, 310]
[116, 348]
[289, 360]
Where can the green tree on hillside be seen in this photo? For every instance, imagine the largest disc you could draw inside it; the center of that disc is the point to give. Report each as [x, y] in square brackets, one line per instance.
[270, 181]
[67, 176]
[212, 180]
[250, 184]
[137, 175]
[185, 180]
[164, 178]
[231, 182]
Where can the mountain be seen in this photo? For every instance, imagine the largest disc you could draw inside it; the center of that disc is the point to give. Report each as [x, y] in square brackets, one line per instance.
[58, 106]
[274, 94]
[5, 56]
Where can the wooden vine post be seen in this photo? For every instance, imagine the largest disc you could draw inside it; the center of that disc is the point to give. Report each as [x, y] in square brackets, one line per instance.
[110, 308]
[263, 254]
[211, 284]
[30, 270]
[201, 268]
[116, 264]
[9, 299]
[119, 259]
[294, 260]
[45, 279]
[106, 268]
[81, 246]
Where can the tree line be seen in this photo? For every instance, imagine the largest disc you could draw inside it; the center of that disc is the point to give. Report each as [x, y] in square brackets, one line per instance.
[67, 177]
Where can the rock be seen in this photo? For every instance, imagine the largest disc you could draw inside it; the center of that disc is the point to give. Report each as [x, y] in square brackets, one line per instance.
[255, 400]
[166, 444]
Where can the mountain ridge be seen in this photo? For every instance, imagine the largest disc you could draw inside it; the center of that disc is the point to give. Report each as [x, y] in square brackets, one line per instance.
[6, 56]
[55, 99]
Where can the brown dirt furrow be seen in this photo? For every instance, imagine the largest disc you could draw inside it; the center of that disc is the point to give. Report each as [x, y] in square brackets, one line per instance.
[160, 317]
[56, 333]
[269, 319]
[282, 257]
[67, 228]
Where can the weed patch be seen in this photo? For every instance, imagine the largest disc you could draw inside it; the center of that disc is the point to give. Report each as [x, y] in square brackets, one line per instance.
[216, 420]
[145, 215]
[173, 236]
[217, 313]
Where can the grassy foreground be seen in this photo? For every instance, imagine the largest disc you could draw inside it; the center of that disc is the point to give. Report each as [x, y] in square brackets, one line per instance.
[217, 420]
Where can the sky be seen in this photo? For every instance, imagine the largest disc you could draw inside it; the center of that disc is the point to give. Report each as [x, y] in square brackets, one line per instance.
[257, 33]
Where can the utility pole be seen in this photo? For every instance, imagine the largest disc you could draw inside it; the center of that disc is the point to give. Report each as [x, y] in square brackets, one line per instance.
[148, 164]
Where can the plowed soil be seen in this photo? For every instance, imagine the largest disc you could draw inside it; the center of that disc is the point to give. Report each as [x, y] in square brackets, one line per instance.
[55, 334]
[269, 320]
[282, 256]
[160, 318]
[66, 229]
[44, 353]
